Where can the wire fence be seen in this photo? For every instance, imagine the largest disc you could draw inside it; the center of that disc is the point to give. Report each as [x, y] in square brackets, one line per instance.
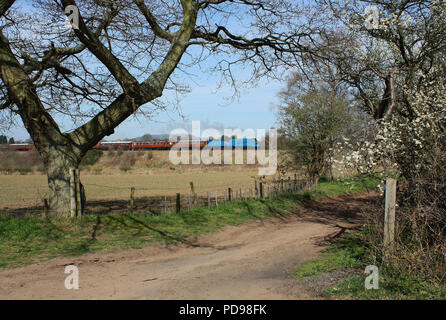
[212, 198]
[144, 200]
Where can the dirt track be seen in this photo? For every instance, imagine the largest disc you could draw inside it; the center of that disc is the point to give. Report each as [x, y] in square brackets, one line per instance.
[252, 261]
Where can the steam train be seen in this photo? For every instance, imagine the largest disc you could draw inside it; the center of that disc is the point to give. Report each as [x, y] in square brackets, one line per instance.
[122, 145]
[155, 145]
[152, 145]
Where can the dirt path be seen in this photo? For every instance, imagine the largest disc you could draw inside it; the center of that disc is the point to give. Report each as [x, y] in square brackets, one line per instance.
[252, 261]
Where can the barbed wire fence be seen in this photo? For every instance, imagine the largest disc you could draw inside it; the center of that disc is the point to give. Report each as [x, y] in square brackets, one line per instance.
[173, 202]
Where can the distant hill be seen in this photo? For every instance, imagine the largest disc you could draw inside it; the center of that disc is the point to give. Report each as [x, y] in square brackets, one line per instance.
[156, 137]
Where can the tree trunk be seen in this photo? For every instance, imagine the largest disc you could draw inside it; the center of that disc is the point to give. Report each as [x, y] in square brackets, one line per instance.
[315, 180]
[57, 165]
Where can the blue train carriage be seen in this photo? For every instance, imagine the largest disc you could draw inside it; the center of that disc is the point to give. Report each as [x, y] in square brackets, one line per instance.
[245, 143]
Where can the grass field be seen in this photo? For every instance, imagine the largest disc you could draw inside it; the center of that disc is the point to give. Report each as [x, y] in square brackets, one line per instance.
[28, 190]
[110, 179]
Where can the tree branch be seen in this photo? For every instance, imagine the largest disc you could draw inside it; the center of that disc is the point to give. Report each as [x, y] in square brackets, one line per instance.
[5, 5]
[128, 83]
[104, 123]
[153, 22]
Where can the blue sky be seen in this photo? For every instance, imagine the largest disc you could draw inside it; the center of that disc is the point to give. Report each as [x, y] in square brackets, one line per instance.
[251, 110]
[204, 103]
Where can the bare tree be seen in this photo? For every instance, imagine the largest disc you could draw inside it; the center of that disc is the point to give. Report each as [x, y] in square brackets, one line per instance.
[377, 60]
[122, 55]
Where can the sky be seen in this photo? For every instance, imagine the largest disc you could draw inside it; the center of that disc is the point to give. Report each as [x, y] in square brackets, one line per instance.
[252, 110]
[205, 103]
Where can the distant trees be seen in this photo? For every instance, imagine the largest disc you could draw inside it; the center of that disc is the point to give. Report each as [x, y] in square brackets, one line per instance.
[146, 138]
[313, 123]
[4, 140]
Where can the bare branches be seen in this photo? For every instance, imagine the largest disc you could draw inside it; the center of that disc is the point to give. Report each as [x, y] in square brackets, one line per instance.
[90, 40]
[125, 52]
[5, 5]
[151, 19]
[105, 122]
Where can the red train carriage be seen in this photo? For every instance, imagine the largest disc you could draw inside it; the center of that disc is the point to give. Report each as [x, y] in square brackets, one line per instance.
[156, 145]
[17, 146]
[190, 144]
[123, 145]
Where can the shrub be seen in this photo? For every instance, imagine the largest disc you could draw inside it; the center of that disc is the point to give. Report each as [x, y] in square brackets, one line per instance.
[414, 148]
[91, 157]
[124, 167]
[97, 170]
[23, 171]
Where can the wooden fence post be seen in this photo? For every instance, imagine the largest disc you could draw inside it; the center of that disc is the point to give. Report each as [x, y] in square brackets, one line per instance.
[190, 202]
[229, 194]
[72, 194]
[389, 214]
[45, 208]
[192, 190]
[256, 190]
[209, 200]
[77, 182]
[216, 200]
[178, 203]
[261, 190]
[132, 199]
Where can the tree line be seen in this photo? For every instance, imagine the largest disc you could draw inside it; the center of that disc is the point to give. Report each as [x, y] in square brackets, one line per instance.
[4, 140]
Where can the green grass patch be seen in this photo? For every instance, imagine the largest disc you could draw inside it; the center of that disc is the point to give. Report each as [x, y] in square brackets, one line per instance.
[346, 254]
[30, 239]
[391, 287]
[351, 252]
[347, 185]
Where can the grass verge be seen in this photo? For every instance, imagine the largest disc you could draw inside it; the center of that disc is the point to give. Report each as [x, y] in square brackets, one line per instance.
[30, 239]
[351, 253]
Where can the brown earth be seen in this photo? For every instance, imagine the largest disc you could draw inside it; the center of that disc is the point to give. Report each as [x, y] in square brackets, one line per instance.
[252, 261]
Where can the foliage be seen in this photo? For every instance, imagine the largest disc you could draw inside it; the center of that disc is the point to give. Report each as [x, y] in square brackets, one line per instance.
[352, 254]
[314, 123]
[91, 157]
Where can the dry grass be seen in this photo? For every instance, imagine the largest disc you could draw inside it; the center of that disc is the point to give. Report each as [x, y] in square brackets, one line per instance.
[18, 191]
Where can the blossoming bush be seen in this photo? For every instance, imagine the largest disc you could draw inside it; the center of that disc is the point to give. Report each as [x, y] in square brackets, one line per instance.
[412, 145]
